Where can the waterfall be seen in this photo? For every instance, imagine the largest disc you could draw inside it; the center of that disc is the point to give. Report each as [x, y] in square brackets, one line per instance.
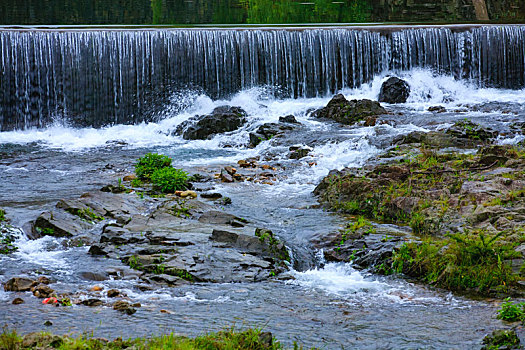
[100, 77]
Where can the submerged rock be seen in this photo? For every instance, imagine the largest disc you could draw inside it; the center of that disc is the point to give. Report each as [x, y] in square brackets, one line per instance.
[222, 119]
[394, 90]
[349, 112]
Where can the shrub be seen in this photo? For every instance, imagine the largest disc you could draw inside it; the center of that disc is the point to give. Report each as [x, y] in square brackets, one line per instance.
[151, 162]
[511, 312]
[169, 180]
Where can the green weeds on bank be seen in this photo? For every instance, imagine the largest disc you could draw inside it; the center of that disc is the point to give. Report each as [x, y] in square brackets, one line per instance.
[472, 262]
[229, 339]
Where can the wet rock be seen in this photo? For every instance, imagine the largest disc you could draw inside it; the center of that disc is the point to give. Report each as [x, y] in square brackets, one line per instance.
[211, 195]
[19, 284]
[59, 223]
[248, 163]
[43, 280]
[349, 112]
[199, 178]
[394, 90]
[222, 119]
[124, 306]
[299, 152]
[266, 339]
[92, 302]
[222, 218]
[48, 323]
[288, 119]
[468, 130]
[230, 170]
[166, 279]
[93, 276]
[437, 109]
[225, 177]
[17, 301]
[437, 139]
[370, 121]
[268, 131]
[42, 291]
[113, 293]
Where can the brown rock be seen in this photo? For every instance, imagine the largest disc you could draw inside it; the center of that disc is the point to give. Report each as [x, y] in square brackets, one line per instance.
[43, 280]
[43, 291]
[130, 177]
[230, 170]
[96, 288]
[124, 306]
[17, 301]
[92, 302]
[225, 177]
[370, 121]
[112, 293]
[19, 284]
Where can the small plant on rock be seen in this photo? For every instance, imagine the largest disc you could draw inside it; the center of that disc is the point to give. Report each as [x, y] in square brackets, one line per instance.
[169, 180]
[148, 164]
[511, 312]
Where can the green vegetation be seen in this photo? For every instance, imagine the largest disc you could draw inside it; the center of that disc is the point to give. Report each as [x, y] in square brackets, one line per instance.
[359, 226]
[181, 209]
[156, 168]
[502, 339]
[2, 215]
[169, 180]
[512, 312]
[86, 214]
[7, 241]
[134, 262]
[148, 164]
[228, 339]
[471, 262]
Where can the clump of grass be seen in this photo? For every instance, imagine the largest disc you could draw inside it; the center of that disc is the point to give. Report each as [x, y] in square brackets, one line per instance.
[2, 215]
[251, 339]
[169, 180]
[148, 164]
[461, 262]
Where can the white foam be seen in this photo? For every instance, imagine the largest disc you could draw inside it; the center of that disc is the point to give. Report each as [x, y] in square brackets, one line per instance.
[339, 279]
[427, 89]
[37, 252]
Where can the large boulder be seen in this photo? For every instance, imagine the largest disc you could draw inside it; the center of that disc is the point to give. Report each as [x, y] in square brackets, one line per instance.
[268, 131]
[394, 90]
[349, 112]
[222, 119]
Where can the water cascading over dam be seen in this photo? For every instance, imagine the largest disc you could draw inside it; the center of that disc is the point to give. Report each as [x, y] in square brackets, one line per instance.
[99, 77]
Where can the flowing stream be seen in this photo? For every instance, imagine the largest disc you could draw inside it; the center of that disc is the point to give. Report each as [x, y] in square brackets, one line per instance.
[325, 305]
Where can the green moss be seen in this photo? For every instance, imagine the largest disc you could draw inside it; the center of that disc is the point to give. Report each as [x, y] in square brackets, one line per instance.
[2, 215]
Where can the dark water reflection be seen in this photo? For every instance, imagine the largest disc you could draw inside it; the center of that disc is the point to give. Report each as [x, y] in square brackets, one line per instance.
[252, 11]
